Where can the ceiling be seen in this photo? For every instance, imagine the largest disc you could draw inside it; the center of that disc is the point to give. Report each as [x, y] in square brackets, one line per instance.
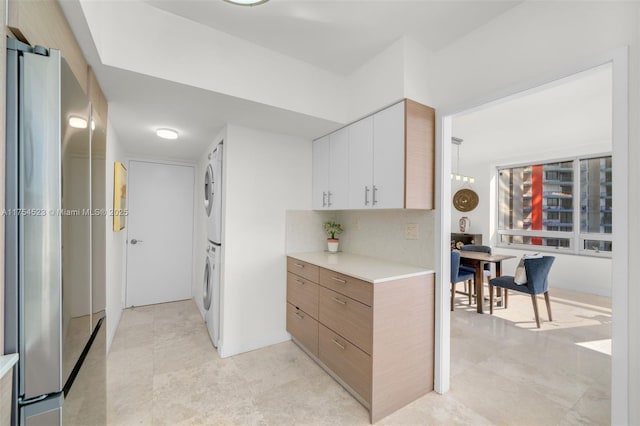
[334, 35]
[570, 115]
[339, 36]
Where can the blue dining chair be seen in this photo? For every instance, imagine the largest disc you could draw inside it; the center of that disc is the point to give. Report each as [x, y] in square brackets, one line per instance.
[537, 271]
[458, 275]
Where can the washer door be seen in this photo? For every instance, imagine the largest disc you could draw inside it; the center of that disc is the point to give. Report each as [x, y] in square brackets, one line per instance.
[206, 285]
[209, 189]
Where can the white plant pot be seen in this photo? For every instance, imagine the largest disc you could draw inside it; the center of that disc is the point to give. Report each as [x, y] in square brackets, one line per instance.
[333, 245]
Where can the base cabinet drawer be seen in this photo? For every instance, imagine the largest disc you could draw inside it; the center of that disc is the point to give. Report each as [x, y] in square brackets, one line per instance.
[347, 361]
[303, 328]
[303, 269]
[359, 290]
[303, 294]
[348, 317]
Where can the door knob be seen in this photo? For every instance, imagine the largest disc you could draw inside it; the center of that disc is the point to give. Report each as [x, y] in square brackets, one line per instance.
[134, 241]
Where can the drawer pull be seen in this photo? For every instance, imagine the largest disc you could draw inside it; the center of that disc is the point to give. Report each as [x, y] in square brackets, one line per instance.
[300, 316]
[340, 301]
[339, 280]
[300, 282]
[299, 265]
[338, 344]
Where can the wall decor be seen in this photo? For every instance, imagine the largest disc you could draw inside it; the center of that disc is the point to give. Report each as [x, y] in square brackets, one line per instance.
[465, 200]
[119, 196]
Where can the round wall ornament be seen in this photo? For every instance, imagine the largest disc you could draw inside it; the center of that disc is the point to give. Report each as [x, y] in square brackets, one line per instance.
[465, 200]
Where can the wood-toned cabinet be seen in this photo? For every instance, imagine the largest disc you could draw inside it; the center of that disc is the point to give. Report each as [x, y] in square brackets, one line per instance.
[376, 340]
[331, 171]
[302, 303]
[389, 161]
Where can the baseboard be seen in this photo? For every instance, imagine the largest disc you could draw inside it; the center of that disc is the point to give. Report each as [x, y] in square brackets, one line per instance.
[227, 349]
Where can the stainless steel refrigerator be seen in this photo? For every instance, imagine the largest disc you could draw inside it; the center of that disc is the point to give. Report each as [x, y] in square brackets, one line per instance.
[54, 302]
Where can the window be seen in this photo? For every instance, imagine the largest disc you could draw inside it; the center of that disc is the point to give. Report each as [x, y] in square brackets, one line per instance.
[564, 205]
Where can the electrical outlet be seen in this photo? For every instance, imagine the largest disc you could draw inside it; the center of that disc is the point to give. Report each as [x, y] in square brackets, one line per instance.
[411, 231]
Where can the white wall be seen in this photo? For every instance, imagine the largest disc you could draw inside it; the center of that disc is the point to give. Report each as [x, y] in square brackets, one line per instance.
[200, 56]
[529, 43]
[115, 241]
[265, 174]
[376, 84]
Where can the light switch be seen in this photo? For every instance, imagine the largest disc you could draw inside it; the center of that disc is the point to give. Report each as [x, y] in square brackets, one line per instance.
[411, 231]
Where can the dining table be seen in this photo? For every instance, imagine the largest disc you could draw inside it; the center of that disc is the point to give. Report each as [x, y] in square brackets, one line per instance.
[477, 260]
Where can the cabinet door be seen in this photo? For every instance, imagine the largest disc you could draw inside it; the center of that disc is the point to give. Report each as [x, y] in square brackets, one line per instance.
[320, 186]
[361, 164]
[388, 158]
[338, 194]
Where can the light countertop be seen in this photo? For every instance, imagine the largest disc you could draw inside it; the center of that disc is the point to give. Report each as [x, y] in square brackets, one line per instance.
[362, 267]
[6, 363]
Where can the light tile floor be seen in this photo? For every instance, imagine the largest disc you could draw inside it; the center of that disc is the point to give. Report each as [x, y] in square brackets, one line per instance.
[162, 369]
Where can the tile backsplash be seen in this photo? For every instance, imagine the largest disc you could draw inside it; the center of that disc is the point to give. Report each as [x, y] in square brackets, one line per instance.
[374, 233]
[304, 231]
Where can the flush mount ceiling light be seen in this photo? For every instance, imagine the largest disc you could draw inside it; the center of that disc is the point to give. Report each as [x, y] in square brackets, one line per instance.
[246, 2]
[167, 133]
[77, 122]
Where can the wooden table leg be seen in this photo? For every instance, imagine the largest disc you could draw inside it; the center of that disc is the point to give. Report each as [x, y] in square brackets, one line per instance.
[479, 283]
[500, 292]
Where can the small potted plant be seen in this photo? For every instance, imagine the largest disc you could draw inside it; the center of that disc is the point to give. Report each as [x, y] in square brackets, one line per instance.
[332, 229]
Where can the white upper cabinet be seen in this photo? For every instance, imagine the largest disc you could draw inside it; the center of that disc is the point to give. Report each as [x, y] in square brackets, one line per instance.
[361, 164]
[338, 193]
[384, 161]
[320, 173]
[388, 158]
[331, 171]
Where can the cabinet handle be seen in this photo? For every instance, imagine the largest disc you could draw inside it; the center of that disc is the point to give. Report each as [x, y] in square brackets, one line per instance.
[338, 344]
[324, 199]
[299, 265]
[366, 195]
[301, 317]
[329, 194]
[375, 190]
[300, 282]
[339, 280]
[340, 301]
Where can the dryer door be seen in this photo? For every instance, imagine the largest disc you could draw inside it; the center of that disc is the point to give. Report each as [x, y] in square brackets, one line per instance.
[206, 285]
[209, 188]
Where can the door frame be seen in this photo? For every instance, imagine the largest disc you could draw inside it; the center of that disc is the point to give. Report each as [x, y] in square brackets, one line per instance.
[619, 60]
[125, 254]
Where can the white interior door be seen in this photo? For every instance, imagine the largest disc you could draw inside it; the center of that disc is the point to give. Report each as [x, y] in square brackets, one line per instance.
[160, 233]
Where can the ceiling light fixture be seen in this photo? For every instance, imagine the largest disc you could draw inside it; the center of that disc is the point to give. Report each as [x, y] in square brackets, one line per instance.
[246, 2]
[77, 122]
[457, 176]
[167, 133]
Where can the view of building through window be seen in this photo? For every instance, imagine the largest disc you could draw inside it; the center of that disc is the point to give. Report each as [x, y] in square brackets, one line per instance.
[537, 205]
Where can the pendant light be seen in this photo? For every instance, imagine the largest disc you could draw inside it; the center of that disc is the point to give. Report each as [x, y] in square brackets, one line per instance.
[457, 176]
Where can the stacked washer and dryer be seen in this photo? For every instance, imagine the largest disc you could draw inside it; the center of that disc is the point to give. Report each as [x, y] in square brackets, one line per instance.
[213, 209]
